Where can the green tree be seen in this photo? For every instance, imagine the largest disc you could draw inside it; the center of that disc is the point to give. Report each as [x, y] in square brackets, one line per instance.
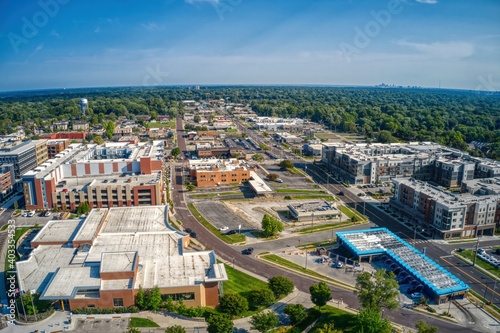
[264, 321]
[133, 330]
[153, 299]
[326, 328]
[110, 129]
[377, 291]
[271, 225]
[296, 312]
[320, 293]
[16, 205]
[263, 297]
[233, 304]
[175, 152]
[257, 157]
[285, 164]
[140, 299]
[273, 176]
[197, 118]
[175, 329]
[98, 140]
[423, 327]
[370, 321]
[280, 286]
[219, 323]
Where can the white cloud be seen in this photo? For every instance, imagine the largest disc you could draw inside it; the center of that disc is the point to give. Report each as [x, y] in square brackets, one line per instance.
[429, 2]
[442, 50]
[97, 30]
[55, 34]
[38, 48]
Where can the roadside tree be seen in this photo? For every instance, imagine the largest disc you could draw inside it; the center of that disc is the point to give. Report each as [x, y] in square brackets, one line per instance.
[271, 225]
[280, 286]
[377, 291]
[320, 293]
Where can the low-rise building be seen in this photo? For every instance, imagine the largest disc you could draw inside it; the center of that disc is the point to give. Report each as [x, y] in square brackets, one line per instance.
[213, 172]
[7, 180]
[54, 147]
[80, 125]
[103, 261]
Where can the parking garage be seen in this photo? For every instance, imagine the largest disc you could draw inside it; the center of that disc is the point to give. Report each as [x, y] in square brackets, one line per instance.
[380, 243]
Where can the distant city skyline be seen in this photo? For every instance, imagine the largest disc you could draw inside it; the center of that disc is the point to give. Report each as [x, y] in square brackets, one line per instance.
[72, 44]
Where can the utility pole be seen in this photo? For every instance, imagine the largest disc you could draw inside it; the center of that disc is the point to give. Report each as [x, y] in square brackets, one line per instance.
[475, 253]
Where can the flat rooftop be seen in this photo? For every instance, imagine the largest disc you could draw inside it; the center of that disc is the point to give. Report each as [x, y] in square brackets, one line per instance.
[382, 241]
[118, 237]
[58, 231]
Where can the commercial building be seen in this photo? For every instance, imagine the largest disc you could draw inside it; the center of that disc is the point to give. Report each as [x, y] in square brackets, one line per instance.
[315, 210]
[213, 172]
[23, 155]
[109, 175]
[445, 214]
[79, 136]
[380, 243]
[102, 261]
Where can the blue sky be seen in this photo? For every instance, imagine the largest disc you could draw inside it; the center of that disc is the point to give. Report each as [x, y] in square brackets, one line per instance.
[76, 43]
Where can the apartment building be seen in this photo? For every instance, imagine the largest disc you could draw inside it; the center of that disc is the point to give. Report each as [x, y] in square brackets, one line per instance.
[7, 180]
[446, 214]
[375, 163]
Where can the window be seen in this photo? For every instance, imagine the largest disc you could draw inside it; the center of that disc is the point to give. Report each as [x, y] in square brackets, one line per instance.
[117, 302]
[177, 297]
[90, 306]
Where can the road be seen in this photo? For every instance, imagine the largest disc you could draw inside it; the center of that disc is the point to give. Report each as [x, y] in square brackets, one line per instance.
[233, 254]
[479, 282]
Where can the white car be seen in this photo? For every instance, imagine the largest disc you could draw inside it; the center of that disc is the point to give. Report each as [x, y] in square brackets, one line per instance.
[224, 228]
[417, 295]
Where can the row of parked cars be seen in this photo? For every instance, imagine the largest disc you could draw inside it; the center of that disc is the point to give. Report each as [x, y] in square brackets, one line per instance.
[481, 253]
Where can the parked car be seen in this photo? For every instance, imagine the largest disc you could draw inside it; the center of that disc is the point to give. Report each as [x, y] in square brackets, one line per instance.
[417, 295]
[224, 228]
[338, 264]
[188, 230]
[193, 234]
[47, 214]
[231, 232]
[248, 251]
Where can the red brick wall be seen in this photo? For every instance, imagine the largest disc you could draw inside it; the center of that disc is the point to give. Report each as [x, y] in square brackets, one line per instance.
[212, 294]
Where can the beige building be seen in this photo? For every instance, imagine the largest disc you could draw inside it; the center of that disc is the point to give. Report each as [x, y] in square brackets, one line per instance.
[112, 254]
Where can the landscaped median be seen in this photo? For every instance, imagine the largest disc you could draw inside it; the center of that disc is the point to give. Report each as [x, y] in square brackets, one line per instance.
[230, 239]
[281, 262]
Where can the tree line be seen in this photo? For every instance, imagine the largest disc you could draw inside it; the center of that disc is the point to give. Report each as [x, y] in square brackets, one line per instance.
[451, 117]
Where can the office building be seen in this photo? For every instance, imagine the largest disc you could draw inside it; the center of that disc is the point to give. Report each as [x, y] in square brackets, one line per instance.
[103, 261]
[23, 155]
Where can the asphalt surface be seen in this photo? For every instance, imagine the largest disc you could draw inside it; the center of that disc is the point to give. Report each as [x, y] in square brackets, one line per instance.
[233, 254]
[441, 253]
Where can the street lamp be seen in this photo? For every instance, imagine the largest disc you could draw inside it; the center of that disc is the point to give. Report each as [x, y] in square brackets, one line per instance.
[312, 220]
[415, 234]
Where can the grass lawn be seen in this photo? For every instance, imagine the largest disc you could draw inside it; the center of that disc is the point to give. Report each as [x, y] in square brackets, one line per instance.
[350, 213]
[230, 239]
[322, 196]
[299, 268]
[245, 285]
[142, 322]
[213, 195]
[469, 254]
[300, 191]
[322, 227]
[158, 124]
[342, 320]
